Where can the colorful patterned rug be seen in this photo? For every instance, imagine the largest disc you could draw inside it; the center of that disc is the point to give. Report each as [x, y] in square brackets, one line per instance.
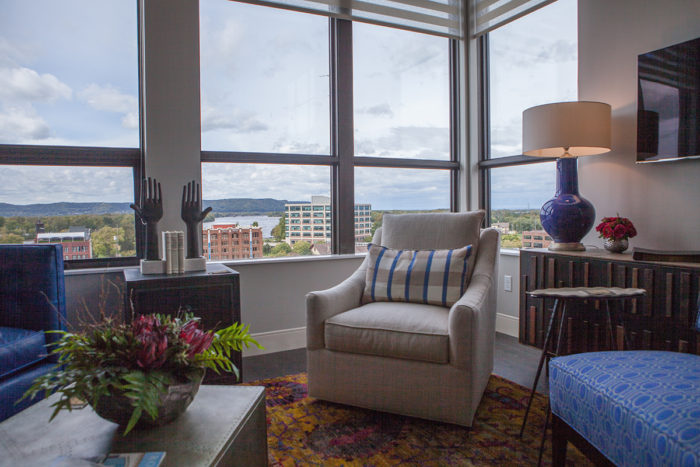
[307, 431]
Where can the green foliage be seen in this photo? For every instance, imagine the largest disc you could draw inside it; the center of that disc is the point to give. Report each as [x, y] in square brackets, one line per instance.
[267, 249]
[12, 229]
[282, 249]
[302, 248]
[511, 241]
[278, 231]
[11, 238]
[108, 358]
[520, 220]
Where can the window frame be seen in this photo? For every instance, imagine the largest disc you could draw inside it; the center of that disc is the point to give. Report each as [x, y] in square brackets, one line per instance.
[90, 156]
[342, 160]
[485, 162]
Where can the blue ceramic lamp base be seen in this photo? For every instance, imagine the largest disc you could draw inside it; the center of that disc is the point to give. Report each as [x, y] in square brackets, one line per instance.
[568, 216]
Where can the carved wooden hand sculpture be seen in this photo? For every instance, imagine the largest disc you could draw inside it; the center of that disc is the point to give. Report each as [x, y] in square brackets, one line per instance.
[191, 212]
[150, 212]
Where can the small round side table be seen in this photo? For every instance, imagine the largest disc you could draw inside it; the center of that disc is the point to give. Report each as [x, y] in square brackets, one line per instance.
[562, 296]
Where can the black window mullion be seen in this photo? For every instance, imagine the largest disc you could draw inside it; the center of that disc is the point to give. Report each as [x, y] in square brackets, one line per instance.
[342, 145]
[455, 143]
[484, 126]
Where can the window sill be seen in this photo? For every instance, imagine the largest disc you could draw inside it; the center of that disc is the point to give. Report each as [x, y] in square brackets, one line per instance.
[510, 252]
[232, 263]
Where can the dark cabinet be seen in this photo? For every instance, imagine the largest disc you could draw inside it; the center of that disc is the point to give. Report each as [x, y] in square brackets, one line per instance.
[213, 295]
[663, 320]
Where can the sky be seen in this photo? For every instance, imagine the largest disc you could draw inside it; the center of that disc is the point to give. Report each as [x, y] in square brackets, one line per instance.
[266, 89]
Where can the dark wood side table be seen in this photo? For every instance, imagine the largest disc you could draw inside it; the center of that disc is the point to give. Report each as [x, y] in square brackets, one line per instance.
[659, 321]
[213, 295]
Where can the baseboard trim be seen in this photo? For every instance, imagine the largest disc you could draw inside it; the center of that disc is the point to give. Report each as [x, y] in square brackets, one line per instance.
[277, 341]
[506, 324]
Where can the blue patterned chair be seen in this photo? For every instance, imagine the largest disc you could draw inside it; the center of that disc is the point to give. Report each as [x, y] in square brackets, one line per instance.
[32, 300]
[628, 408]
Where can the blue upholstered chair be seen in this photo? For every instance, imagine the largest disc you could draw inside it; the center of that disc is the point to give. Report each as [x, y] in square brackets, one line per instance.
[32, 300]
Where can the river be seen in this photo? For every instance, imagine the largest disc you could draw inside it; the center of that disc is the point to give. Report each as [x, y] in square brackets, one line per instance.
[266, 222]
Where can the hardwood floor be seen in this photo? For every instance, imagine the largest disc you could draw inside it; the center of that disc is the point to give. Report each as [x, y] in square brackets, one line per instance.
[512, 361]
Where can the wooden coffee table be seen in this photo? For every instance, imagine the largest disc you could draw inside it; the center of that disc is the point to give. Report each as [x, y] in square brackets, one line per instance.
[224, 426]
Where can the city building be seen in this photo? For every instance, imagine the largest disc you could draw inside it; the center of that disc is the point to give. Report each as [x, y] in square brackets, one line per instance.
[230, 241]
[311, 222]
[536, 239]
[503, 227]
[76, 242]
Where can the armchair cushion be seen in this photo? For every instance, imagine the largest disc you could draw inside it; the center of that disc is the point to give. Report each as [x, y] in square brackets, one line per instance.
[20, 348]
[407, 330]
[433, 231]
[435, 277]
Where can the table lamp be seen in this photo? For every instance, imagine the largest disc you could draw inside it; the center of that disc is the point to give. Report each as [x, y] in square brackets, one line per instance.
[567, 130]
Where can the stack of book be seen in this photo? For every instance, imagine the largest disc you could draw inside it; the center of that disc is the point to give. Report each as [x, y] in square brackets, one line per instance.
[174, 252]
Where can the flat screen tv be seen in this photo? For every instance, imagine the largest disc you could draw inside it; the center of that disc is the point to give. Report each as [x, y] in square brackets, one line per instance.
[668, 103]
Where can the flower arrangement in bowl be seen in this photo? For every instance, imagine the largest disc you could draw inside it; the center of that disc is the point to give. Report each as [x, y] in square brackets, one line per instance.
[615, 232]
[145, 372]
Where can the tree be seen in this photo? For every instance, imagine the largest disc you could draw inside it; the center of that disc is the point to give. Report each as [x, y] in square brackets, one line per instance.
[302, 248]
[11, 238]
[511, 241]
[281, 250]
[278, 231]
[104, 244]
[267, 249]
[255, 223]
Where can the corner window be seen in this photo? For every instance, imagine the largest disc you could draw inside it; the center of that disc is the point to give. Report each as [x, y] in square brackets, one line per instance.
[531, 61]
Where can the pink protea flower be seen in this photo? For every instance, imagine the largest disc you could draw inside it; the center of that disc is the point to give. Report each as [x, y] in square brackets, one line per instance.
[151, 335]
[198, 340]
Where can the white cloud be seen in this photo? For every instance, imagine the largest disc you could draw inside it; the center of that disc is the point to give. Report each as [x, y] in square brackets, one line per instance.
[38, 184]
[379, 110]
[413, 142]
[109, 99]
[22, 84]
[22, 124]
[233, 119]
[131, 121]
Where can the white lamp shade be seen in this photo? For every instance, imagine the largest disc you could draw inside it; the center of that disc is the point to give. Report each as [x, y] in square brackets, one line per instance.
[582, 128]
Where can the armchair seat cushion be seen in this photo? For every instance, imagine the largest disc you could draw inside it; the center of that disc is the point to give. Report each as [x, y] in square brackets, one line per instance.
[396, 330]
[20, 348]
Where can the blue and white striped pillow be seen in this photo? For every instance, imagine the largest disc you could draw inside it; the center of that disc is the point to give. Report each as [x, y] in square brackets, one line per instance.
[435, 277]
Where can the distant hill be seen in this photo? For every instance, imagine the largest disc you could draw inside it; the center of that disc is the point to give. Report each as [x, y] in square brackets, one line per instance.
[62, 209]
[223, 207]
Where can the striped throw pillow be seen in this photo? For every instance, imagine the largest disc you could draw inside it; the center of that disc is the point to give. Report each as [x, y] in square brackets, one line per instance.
[435, 277]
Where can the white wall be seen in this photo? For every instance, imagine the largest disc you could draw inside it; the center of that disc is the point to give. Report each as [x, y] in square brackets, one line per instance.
[663, 199]
[273, 296]
[170, 84]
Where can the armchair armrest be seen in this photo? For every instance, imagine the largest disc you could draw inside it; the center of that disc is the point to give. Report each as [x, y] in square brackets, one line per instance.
[324, 304]
[472, 319]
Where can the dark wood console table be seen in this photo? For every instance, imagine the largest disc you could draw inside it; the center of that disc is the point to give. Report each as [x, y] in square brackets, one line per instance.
[661, 321]
[213, 295]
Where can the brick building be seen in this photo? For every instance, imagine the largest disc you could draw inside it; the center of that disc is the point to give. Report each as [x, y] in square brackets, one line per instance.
[536, 239]
[76, 244]
[230, 241]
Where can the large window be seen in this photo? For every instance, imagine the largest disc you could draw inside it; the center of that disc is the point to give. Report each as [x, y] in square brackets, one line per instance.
[530, 61]
[69, 125]
[313, 127]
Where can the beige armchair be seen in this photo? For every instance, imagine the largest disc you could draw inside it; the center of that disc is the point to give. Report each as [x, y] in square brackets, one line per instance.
[413, 359]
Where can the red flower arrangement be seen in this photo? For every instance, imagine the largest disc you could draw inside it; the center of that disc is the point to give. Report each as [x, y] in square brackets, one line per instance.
[138, 359]
[616, 228]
